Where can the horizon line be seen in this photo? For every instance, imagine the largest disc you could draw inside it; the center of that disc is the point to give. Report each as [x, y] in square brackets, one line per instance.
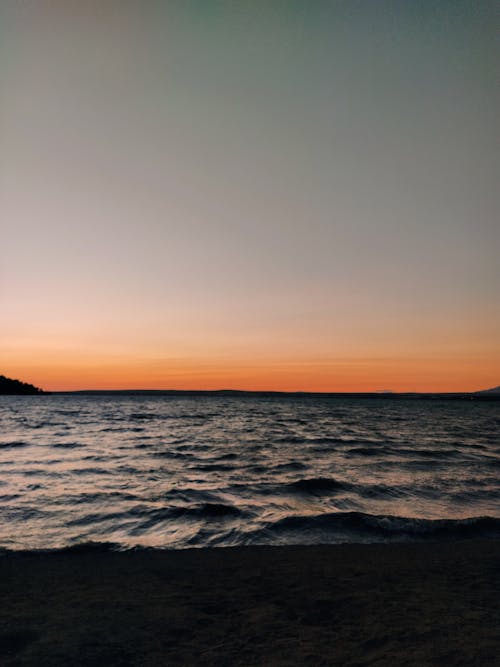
[378, 392]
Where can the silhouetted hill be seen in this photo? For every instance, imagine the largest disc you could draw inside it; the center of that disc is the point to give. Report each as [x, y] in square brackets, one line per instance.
[494, 390]
[9, 386]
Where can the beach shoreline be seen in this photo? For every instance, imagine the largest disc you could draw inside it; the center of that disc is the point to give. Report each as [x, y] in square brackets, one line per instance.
[378, 604]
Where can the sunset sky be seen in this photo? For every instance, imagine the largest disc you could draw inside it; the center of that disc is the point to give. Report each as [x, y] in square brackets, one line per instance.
[251, 195]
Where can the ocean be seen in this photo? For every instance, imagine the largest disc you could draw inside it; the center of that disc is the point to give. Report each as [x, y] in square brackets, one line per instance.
[210, 471]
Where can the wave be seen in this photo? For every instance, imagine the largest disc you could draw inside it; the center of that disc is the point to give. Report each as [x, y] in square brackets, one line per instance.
[89, 547]
[9, 496]
[150, 517]
[208, 511]
[329, 486]
[360, 527]
[93, 497]
[466, 495]
[292, 466]
[363, 451]
[333, 528]
[385, 491]
[169, 454]
[430, 453]
[144, 415]
[20, 513]
[403, 452]
[303, 440]
[91, 471]
[318, 485]
[187, 495]
[138, 416]
[209, 467]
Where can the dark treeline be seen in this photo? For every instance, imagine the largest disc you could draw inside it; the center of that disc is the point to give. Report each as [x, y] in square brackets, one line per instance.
[9, 386]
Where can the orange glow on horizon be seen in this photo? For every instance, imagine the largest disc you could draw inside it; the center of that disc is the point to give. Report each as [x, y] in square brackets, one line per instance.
[341, 375]
[211, 360]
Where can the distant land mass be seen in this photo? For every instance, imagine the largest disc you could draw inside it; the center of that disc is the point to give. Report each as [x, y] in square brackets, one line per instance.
[16, 387]
[9, 386]
[495, 391]
[387, 395]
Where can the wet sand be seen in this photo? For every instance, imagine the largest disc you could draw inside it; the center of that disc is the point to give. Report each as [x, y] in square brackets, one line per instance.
[406, 604]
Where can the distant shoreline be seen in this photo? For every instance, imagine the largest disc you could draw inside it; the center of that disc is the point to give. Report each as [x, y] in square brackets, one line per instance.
[17, 388]
[481, 396]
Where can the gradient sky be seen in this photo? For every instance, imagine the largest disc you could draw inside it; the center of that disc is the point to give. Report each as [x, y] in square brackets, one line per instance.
[257, 195]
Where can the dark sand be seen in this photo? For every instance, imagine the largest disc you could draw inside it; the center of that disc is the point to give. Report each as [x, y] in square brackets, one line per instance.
[413, 604]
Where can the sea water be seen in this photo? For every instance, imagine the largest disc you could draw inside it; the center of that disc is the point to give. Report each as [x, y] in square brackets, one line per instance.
[198, 471]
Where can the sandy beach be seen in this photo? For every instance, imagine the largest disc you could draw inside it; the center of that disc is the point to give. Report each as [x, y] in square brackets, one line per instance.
[405, 604]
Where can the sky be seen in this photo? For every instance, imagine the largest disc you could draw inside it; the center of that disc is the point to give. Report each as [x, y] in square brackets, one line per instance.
[251, 195]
